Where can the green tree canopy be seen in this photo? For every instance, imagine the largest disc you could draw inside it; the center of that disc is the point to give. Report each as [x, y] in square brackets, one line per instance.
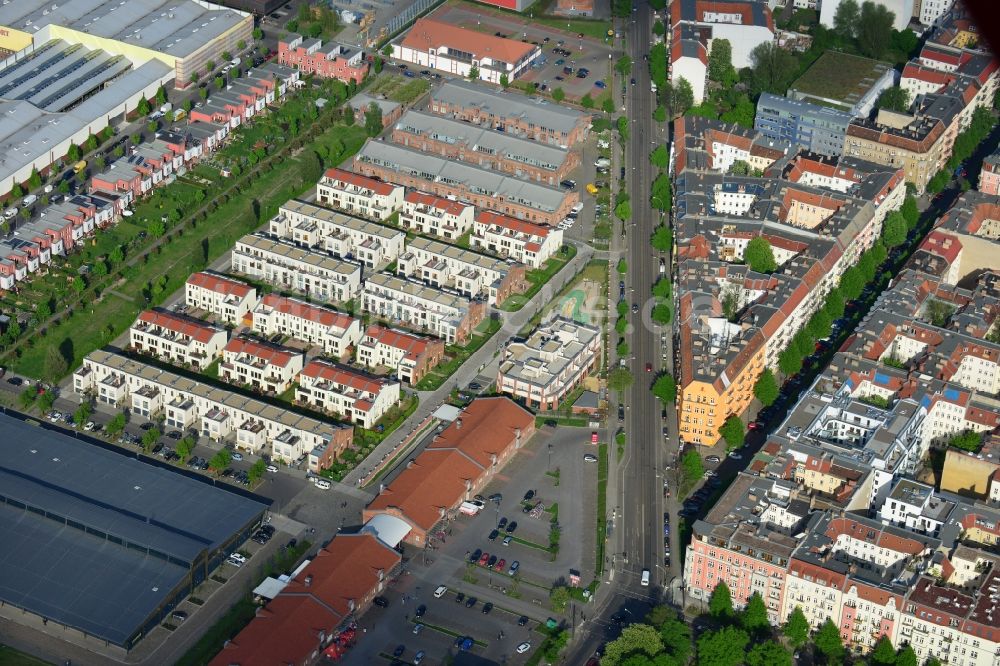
[682, 96]
[373, 119]
[827, 641]
[742, 112]
[720, 603]
[766, 388]
[662, 288]
[732, 431]
[587, 101]
[661, 314]
[754, 616]
[874, 30]
[910, 212]
[845, 19]
[624, 65]
[660, 157]
[692, 467]
[620, 379]
[759, 256]
[884, 654]
[725, 647]
[894, 99]
[185, 446]
[772, 68]
[906, 656]
[659, 196]
[665, 388]
[894, 229]
[796, 628]
[116, 425]
[662, 238]
[720, 63]
[769, 653]
[558, 94]
[634, 639]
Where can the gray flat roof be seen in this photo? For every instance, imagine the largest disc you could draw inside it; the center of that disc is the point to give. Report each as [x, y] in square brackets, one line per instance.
[132, 527]
[174, 27]
[509, 104]
[479, 181]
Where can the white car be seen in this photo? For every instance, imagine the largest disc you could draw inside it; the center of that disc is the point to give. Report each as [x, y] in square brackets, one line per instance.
[10, 213]
[323, 484]
[523, 647]
[237, 456]
[272, 468]
[89, 425]
[578, 207]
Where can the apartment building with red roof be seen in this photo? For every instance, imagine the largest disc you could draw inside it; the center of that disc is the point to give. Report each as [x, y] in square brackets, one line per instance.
[177, 339]
[524, 242]
[358, 195]
[335, 332]
[436, 216]
[317, 612]
[262, 367]
[459, 463]
[228, 299]
[456, 50]
[406, 355]
[350, 395]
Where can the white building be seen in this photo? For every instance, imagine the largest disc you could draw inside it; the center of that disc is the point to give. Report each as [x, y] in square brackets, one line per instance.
[915, 506]
[436, 216]
[351, 395]
[450, 48]
[932, 10]
[263, 367]
[252, 425]
[745, 24]
[901, 9]
[229, 300]
[470, 273]
[336, 333]
[689, 61]
[552, 362]
[374, 245]
[358, 195]
[409, 357]
[524, 242]
[448, 316]
[175, 339]
[287, 266]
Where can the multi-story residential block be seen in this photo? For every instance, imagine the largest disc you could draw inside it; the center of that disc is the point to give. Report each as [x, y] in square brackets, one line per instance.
[989, 175]
[265, 368]
[436, 216]
[336, 333]
[229, 300]
[359, 195]
[902, 11]
[974, 475]
[555, 359]
[470, 273]
[745, 24]
[287, 266]
[329, 61]
[251, 425]
[486, 148]
[409, 357]
[689, 60]
[374, 245]
[176, 339]
[916, 507]
[524, 242]
[845, 82]
[816, 128]
[462, 51]
[917, 144]
[510, 112]
[351, 395]
[422, 308]
[483, 188]
[929, 11]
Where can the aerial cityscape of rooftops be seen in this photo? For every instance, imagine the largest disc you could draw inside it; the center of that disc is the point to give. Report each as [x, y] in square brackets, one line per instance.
[619, 332]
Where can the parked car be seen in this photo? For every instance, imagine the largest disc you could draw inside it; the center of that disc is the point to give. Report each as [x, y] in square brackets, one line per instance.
[470, 602]
[487, 607]
[476, 554]
[490, 562]
[503, 523]
[523, 647]
[421, 609]
[712, 459]
[501, 563]
[511, 527]
[460, 597]
[514, 566]
[589, 457]
[493, 535]
[484, 559]
[381, 602]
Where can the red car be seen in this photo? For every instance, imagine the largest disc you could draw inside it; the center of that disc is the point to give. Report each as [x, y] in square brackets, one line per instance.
[484, 559]
[500, 565]
[649, 367]
[753, 425]
[593, 437]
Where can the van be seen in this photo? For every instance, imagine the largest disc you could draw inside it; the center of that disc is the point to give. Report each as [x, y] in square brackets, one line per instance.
[323, 484]
[440, 591]
[79, 166]
[28, 200]
[645, 578]
[167, 108]
[602, 162]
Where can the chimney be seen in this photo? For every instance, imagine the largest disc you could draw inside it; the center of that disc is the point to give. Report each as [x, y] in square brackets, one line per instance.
[308, 581]
[458, 424]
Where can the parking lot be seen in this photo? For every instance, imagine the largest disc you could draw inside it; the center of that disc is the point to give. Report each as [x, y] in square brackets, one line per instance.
[563, 485]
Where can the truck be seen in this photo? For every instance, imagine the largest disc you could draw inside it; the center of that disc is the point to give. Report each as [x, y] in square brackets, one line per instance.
[180, 114]
[469, 509]
[167, 108]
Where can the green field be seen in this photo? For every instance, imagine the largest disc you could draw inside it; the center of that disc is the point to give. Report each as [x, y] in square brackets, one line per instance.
[11, 657]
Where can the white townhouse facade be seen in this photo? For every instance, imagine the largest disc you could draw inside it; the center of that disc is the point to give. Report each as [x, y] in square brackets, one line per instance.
[176, 339]
[436, 216]
[353, 396]
[552, 362]
[293, 268]
[221, 415]
[262, 367]
[524, 242]
[372, 244]
[447, 316]
[470, 273]
[408, 356]
[229, 300]
[358, 195]
[336, 333]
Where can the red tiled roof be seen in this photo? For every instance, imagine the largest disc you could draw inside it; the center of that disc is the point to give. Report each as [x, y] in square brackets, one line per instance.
[220, 284]
[350, 178]
[318, 369]
[436, 481]
[267, 353]
[352, 568]
[413, 344]
[430, 34]
[296, 308]
[943, 245]
[191, 328]
[441, 203]
[512, 223]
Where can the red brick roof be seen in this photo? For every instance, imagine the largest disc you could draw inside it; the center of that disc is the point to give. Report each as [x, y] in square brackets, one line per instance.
[191, 328]
[296, 308]
[441, 203]
[414, 345]
[220, 284]
[267, 353]
[430, 34]
[436, 481]
[350, 178]
[352, 568]
[318, 369]
[512, 223]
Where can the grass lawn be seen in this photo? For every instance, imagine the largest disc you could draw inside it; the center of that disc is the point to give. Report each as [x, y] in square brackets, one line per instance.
[225, 629]
[11, 657]
[538, 278]
[602, 506]
[458, 355]
[840, 76]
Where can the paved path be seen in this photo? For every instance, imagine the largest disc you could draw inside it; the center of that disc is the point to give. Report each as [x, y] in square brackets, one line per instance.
[484, 361]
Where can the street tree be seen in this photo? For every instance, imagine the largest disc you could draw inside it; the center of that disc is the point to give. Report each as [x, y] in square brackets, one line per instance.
[558, 94]
[660, 195]
[910, 212]
[754, 616]
[662, 239]
[659, 29]
[623, 210]
[27, 397]
[608, 106]
[184, 447]
[587, 101]
[220, 460]
[661, 314]
[635, 638]
[874, 30]
[796, 628]
[504, 80]
[884, 654]
[790, 361]
[624, 65]
[720, 603]
[759, 256]
[827, 641]
[906, 656]
[725, 647]
[676, 636]
[620, 379]
[662, 288]
[143, 107]
[845, 19]
[82, 413]
[660, 157]
[45, 401]
[766, 388]
[116, 425]
[733, 432]
[769, 653]
[894, 229]
[559, 598]
[665, 388]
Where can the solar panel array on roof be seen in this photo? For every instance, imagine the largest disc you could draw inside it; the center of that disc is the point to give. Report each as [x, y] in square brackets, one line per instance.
[103, 542]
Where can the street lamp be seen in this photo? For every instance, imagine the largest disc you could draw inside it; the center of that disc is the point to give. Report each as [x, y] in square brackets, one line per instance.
[550, 457]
